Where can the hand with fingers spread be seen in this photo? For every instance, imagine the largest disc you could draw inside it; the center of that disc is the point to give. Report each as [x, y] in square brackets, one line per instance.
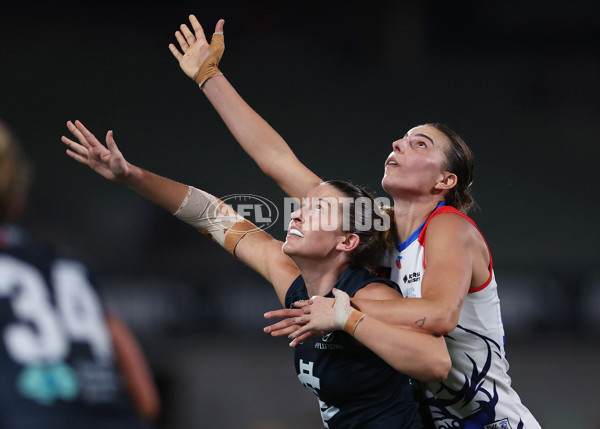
[199, 60]
[290, 324]
[324, 314]
[108, 161]
[285, 326]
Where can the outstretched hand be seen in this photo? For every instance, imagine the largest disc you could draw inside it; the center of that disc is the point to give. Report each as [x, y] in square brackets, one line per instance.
[107, 161]
[197, 53]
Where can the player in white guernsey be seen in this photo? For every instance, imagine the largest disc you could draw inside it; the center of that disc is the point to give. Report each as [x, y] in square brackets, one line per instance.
[477, 392]
[452, 276]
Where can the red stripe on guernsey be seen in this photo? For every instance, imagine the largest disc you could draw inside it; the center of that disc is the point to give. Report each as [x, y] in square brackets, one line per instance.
[448, 209]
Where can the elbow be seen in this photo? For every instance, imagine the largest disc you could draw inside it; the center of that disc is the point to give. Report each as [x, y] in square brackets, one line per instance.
[442, 324]
[271, 168]
[442, 369]
[151, 411]
[267, 170]
[438, 369]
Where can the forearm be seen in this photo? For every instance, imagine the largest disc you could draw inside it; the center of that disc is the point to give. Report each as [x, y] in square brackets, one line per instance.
[422, 314]
[164, 192]
[135, 370]
[416, 354]
[208, 214]
[264, 145]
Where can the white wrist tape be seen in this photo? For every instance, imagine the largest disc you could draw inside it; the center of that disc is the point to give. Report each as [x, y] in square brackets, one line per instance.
[341, 309]
[210, 215]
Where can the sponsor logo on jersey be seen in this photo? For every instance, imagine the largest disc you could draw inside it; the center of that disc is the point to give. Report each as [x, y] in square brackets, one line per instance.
[328, 346]
[327, 337]
[411, 278]
[48, 383]
[327, 343]
[399, 262]
[499, 424]
[410, 293]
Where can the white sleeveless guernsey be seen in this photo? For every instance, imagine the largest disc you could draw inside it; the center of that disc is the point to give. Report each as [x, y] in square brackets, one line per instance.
[477, 392]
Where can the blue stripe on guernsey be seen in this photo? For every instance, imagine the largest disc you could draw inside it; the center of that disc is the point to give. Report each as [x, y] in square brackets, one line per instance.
[416, 233]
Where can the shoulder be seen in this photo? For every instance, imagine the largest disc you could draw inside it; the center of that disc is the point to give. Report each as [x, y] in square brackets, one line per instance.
[451, 236]
[355, 279]
[378, 290]
[450, 224]
[296, 292]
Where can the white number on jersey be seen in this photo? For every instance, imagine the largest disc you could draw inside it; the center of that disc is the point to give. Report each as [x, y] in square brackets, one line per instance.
[44, 331]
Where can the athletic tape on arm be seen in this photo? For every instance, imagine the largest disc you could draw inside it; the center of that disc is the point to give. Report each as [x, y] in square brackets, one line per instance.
[209, 215]
[209, 67]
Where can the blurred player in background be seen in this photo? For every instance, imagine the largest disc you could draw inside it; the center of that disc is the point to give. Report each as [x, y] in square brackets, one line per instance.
[64, 362]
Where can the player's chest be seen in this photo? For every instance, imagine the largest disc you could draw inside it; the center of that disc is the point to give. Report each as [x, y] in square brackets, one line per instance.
[407, 270]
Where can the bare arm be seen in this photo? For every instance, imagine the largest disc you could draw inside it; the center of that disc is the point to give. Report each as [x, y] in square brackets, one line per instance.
[417, 354]
[456, 259]
[135, 370]
[264, 145]
[257, 248]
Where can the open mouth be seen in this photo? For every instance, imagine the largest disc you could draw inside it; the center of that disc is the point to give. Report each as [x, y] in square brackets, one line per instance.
[295, 232]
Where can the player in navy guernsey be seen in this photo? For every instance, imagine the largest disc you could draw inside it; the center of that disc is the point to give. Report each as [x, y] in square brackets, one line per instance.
[57, 347]
[343, 373]
[326, 246]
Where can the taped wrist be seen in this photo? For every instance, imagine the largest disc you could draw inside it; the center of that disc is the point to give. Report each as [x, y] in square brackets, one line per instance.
[341, 309]
[213, 217]
[355, 318]
[209, 67]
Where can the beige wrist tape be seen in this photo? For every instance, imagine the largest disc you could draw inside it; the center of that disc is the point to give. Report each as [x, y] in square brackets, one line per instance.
[355, 318]
[213, 217]
[209, 68]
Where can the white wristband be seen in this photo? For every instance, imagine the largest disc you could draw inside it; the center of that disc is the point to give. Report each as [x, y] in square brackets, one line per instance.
[341, 309]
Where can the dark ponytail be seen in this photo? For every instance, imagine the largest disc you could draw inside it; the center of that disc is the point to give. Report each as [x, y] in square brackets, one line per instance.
[459, 160]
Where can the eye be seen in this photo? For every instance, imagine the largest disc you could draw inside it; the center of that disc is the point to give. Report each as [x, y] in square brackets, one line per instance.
[318, 207]
[422, 144]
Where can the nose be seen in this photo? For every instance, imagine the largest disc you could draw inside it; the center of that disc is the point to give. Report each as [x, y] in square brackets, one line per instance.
[297, 215]
[399, 145]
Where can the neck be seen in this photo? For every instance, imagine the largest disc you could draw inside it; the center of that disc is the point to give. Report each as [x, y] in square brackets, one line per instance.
[410, 215]
[320, 275]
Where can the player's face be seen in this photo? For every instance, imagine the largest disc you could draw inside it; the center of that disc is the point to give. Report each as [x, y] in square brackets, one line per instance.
[416, 162]
[316, 228]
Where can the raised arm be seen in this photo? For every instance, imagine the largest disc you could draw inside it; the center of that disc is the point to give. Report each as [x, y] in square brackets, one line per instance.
[264, 145]
[203, 211]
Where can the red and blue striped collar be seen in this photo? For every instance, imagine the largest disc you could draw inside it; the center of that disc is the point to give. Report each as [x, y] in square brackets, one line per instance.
[416, 232]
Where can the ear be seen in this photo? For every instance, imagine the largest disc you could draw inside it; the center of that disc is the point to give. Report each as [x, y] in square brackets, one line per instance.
[348, 242]
[448, 181]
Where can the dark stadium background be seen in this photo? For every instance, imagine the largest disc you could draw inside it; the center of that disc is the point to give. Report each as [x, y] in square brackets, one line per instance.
[340, 81]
